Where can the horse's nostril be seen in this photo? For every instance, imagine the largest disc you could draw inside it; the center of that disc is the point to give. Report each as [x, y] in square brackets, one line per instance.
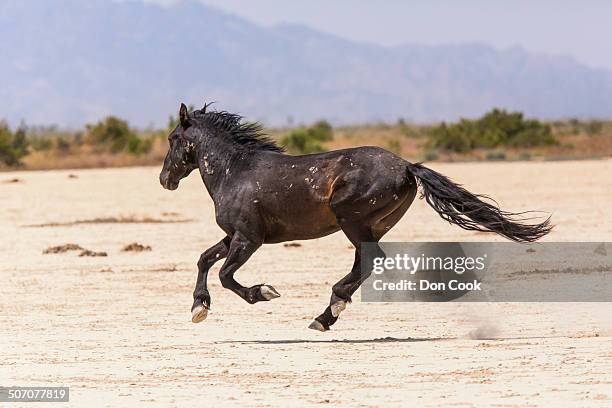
[163, 179]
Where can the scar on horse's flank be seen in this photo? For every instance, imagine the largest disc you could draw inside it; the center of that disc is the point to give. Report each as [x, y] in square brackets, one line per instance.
[362, 192]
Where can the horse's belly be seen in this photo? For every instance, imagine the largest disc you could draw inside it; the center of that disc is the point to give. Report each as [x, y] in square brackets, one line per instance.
[305, 224]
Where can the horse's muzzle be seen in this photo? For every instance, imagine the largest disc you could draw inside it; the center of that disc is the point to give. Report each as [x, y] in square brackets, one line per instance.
[164, 180]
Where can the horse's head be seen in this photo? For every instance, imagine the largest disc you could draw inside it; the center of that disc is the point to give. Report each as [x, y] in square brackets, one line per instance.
[181, 158]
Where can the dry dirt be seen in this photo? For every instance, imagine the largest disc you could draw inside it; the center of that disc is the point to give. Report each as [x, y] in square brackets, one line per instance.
[117, 329]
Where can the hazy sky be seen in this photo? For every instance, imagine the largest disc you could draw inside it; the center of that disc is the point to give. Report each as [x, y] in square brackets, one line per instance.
[581, 29]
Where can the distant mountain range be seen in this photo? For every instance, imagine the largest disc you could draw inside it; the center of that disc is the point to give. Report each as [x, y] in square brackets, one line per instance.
[70, 62]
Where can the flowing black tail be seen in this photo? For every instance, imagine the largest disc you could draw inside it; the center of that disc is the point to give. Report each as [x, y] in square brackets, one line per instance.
[458, 206]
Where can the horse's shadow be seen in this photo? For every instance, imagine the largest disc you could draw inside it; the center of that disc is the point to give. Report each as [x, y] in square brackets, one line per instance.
[385, 340]
[340, 341]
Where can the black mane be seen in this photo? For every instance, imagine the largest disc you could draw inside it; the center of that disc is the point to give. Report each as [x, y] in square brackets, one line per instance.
[231, 125]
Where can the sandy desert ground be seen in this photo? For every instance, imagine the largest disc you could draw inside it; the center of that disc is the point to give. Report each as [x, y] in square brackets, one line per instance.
[117, 329]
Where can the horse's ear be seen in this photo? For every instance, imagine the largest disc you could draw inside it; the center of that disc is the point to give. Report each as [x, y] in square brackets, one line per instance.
[204, 108]
[184, 116]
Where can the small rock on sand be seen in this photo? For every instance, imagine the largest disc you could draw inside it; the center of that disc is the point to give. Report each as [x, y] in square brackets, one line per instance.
[13, 180]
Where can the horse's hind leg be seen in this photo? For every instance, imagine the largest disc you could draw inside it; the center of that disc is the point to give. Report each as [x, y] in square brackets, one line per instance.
[368, 228]
[201, 297]
[345, 287]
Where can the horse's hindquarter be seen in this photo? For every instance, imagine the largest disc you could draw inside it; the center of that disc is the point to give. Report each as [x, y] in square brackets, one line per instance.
[295, 193]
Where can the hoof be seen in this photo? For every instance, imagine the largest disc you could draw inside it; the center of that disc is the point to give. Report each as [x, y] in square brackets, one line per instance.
[199, 313]
[268, 292]
[317, 325]
[338, 307]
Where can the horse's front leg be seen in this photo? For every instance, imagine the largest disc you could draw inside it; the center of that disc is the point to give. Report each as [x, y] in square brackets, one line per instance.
[201, 297]
[240, 250]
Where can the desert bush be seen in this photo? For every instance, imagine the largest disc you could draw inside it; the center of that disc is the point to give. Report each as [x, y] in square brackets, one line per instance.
[496, 128]
[62, 144]
[118, 136]
[305, 140]
[139, 145]
[13, 146]
[576, 126]
[409, 130]
[20, 142]
[593, 127]
[394, 146]
[41, 144]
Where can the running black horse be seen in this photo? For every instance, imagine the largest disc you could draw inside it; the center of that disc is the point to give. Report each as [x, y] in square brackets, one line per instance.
[263, 196]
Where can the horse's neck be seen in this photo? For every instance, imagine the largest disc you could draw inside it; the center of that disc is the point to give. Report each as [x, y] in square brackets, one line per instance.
[218, 163]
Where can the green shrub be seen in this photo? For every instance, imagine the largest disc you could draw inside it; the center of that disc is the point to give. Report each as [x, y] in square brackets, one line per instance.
[111, 131]
[117, 134]
[305, 140]
[62, 144]
[139, 145]
[496, 128]
[20, 142]
[13, 146]
[321, 131]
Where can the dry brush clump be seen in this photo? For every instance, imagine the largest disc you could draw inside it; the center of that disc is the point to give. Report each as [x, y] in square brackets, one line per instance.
[111, 220]
[60, 249]
[88, 252]
[136, 247]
